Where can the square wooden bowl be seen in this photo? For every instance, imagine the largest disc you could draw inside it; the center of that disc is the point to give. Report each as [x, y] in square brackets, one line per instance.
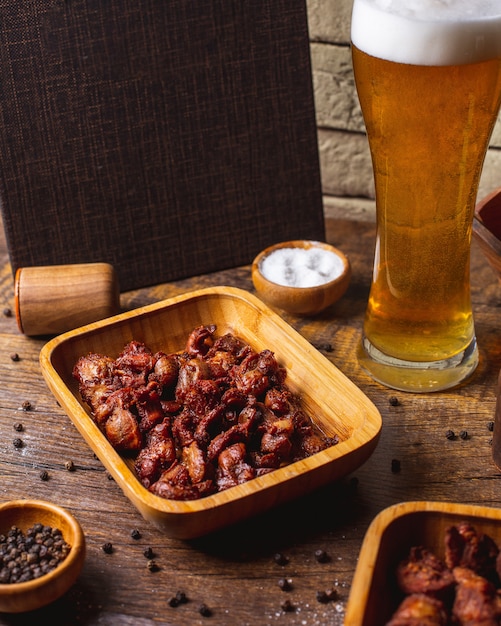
[374, 594]
[334, 403]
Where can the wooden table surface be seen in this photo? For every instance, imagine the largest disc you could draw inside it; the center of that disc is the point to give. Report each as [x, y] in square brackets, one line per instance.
[234, 572]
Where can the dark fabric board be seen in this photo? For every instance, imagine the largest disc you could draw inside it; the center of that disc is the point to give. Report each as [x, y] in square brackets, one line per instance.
[169, 138]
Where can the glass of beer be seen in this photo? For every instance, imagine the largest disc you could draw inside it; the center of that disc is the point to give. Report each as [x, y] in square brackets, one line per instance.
[428, 77]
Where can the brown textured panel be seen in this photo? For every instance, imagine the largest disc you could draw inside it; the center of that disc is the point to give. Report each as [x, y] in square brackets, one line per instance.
[168, 138]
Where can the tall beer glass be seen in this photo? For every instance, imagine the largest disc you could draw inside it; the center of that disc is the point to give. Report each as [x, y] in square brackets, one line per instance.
[428, 76]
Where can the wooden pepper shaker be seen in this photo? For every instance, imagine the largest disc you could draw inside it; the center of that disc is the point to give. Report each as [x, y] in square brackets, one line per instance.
[50, 300]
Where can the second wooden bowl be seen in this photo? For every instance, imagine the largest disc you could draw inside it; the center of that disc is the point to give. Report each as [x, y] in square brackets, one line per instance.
[36, 593]
[374, 594]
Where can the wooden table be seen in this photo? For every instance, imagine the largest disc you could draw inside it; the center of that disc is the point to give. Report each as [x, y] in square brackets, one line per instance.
[234, 572]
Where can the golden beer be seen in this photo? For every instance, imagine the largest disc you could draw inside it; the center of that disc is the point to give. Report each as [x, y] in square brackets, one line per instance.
[428, 127]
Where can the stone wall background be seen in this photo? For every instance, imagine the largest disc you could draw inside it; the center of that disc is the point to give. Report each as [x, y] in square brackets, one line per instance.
[345, 163]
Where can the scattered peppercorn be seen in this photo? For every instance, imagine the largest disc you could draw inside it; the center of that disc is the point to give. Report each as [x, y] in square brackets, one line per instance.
[490, 426]
[321, 556]
[396, 466]
[287, 606]
[204, 610]
[18, 427]
[107, 547]
[181, 597]
[26, 405]
[26, 556]
[17, 442]
[463, 434]
[148, 553]
[353, 483]
[285, 584]
[394, 401]
[322, 597]
[7, 312]
[70, 466]
[173, 602]
[332, 594]
[14, 356]
[44, 475]
[450, 434]
[280, 559]
[327, 596]
[152, 565]
[135, 534]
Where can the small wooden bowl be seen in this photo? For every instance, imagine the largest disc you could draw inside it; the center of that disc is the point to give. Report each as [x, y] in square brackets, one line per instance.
[301, 300]
[31, 595]
[374, 595]
[487, 228]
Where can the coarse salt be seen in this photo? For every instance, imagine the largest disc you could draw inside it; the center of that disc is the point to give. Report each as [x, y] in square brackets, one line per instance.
[301, 267]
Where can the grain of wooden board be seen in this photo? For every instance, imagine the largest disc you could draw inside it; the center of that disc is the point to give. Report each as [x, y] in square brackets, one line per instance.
[235, 573]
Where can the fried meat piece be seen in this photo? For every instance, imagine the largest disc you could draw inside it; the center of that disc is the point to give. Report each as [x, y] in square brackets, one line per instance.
[191, 371]
[134, 364]
[201, 339]
[466, 547]
[476, 602]
[233, 468]
[419, 609]
[95, 376]
[257, 373]
[158, 454]
[175, 484]
[424, 572]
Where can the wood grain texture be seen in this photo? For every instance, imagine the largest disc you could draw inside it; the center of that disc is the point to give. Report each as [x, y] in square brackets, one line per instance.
[234, 571]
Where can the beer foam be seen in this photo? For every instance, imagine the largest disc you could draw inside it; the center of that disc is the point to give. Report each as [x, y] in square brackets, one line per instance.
[428, 32]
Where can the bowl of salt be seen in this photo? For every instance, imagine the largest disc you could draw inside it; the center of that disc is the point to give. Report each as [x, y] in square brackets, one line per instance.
[302, 277]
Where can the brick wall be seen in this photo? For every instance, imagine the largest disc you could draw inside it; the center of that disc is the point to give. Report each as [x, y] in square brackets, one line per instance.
[344, 154]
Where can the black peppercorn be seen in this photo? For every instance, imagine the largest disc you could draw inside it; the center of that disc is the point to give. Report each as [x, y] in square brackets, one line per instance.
[18, 443]
[394, 401]
[204, 610]
[148, 553]
[70, 466]
[321, 556]
[285, 584]
[287, 606]
[44, 475]
[26, 405]
[107, 547]
[152, 565]
[7, 312]
[173, 602]
[490, 426]
[395, 466]
[322, 597]
[14, 356]
[450, 434]
[463, 434]
[18, 427]
[135, 534]
[280, 559]
[181, 597]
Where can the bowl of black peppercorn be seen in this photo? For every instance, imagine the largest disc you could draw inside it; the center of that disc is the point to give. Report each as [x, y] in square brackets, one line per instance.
[42, 551]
